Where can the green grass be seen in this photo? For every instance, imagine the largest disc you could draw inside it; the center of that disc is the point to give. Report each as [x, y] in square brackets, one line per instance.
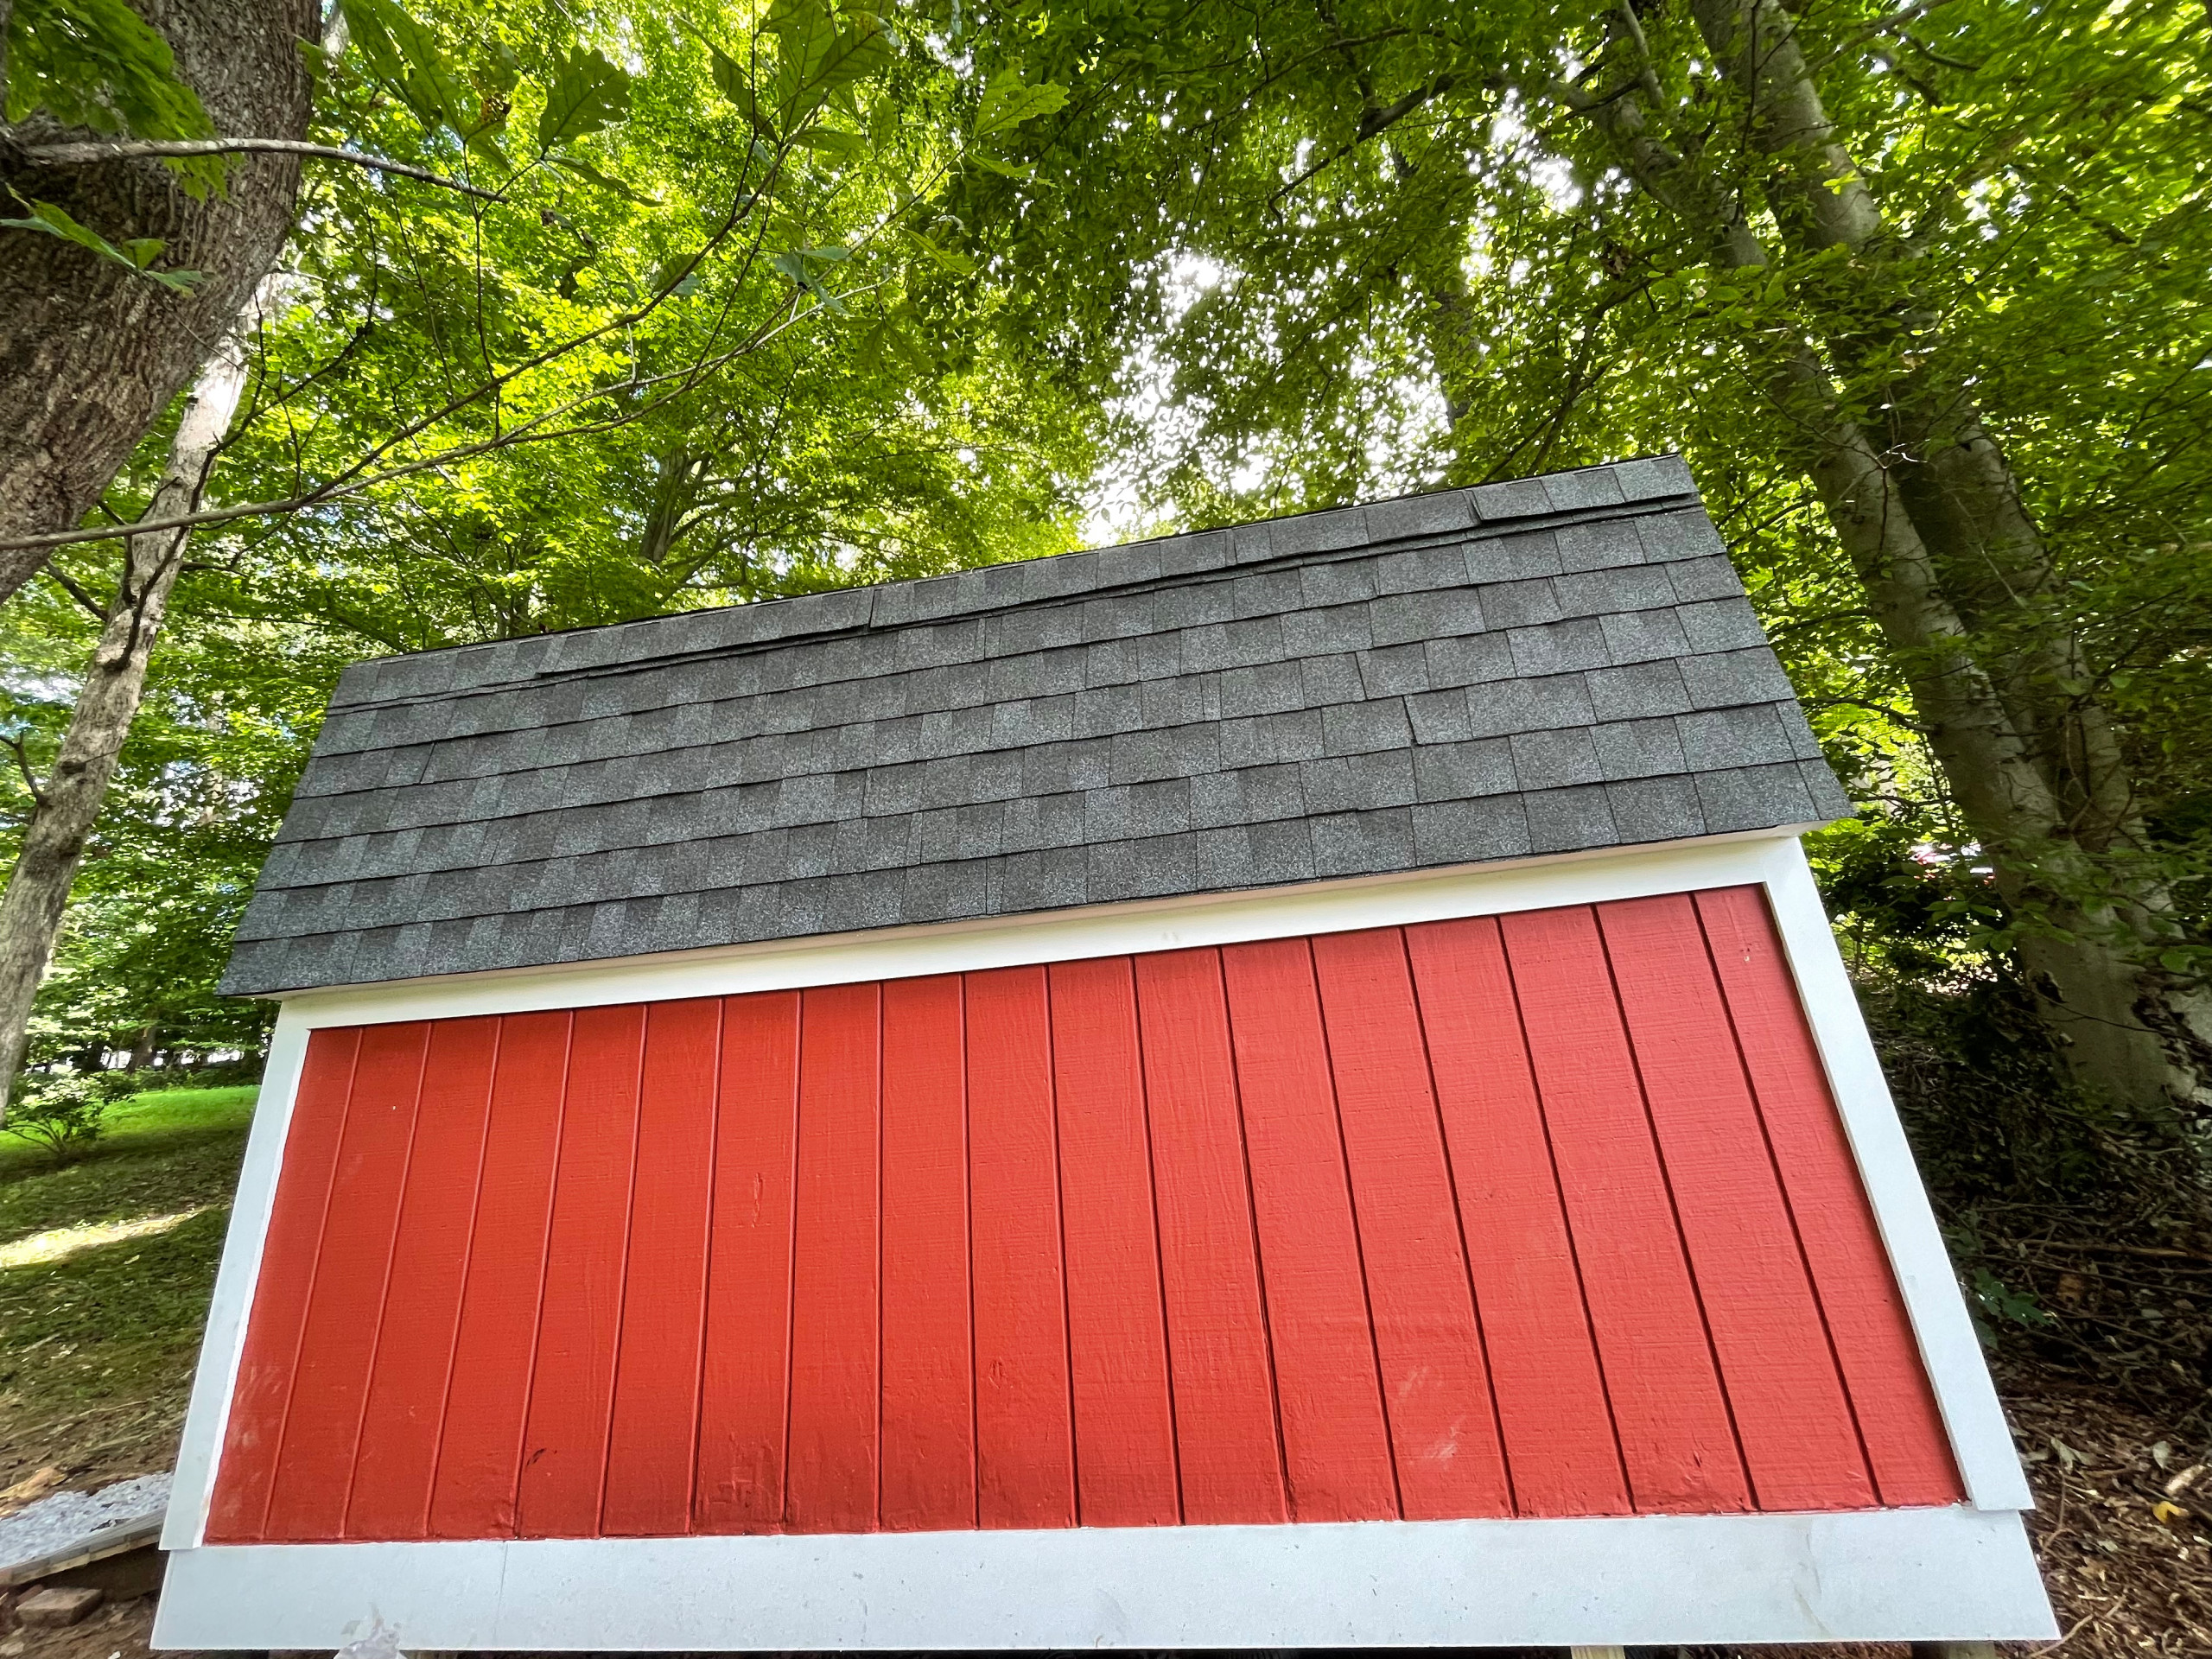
[98, 1331]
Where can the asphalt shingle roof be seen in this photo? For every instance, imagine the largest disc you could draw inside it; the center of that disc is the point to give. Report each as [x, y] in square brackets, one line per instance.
[1543, 666]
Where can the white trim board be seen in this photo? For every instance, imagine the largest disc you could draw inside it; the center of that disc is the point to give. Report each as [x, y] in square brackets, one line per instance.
[1980, 1440]
[1951, 1574]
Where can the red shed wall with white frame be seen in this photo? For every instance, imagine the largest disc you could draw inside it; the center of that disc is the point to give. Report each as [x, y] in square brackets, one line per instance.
[1513, 1255]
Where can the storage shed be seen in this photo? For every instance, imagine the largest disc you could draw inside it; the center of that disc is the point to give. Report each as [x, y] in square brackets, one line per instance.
[1282, 1087]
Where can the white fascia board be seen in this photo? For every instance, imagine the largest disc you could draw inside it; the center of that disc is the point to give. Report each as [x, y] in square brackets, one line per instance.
[1090, 930]
[1948, 1574]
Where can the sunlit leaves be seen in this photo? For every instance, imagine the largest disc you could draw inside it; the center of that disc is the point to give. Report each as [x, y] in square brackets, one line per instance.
[588, 95]
[136, 255]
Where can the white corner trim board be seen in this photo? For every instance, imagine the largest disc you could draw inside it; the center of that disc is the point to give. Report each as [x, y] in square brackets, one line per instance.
[1962, 1573]
[1900, 1574]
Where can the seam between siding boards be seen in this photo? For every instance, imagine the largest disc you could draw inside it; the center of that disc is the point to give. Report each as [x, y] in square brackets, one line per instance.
[1060, 1223]
[1358, 1243]
[544, 1269]
[467, 1262]
[706, 1263]
[1788, 1204]
[1252, 1216]
[622, 1277]
[314, 1273]
[790, 1253]
[1565, 1219]
[1459, 1221]
[1674, 1208]
[1158, 1251]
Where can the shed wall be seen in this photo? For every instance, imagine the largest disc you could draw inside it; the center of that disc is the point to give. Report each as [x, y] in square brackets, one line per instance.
[1548, 1214]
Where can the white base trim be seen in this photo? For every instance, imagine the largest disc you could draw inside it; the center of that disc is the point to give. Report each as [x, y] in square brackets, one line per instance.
[1898, 1575]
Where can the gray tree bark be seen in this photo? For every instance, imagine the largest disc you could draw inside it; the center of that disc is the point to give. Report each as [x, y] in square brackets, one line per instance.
[89, 353]
[69, 802]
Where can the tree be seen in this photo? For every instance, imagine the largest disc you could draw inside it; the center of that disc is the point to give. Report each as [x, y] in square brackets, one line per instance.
[1915, 289]
[698, 347]
[122, 272]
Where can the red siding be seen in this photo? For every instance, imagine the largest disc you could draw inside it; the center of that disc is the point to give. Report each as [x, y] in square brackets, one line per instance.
[1548, 1215]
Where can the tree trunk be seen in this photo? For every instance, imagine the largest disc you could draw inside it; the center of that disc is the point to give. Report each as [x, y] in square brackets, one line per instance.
[90, 353]
[1932, 519]
[141, 1046]
[64, 812]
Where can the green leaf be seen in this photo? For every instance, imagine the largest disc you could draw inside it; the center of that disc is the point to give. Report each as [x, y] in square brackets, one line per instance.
[831, 140]
[588, 94]
[135, 256]
[1008, 102]
[1009, 169]
[733, 84]
[583, 169]
[950, 259]
[403, 55]
[819, 51]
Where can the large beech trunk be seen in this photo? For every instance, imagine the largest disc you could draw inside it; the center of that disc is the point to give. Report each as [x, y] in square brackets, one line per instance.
[1932, 519]
[69, 802]
[90, 353]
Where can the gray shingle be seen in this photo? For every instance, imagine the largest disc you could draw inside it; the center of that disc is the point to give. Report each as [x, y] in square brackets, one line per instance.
[1398, 618]
[1722, 738]
[1755, 797]
[1461, 772]
[1434, 681]
[1522, 499]
[1638, 748]
[1143, 869]
[1358, 783]
[1560, 647]
[1519, 557]
[1394, 670]
[1570, 820]
[1471, 831]
[1363, 843]
[1361, 728]
[1726, 678]
[1556, 759]
[1686, 535]
[1637, 690]
[1591, 487]
[1441, 513]
[1655, 809]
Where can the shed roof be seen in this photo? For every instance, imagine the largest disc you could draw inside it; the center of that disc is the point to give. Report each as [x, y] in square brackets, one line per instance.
[1550, 665]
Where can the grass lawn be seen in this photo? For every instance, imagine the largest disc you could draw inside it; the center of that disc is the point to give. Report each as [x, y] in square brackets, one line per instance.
[105, 1267]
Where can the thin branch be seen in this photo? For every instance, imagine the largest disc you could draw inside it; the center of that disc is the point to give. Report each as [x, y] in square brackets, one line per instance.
[24, 765]
[92, 152]
[69, 586]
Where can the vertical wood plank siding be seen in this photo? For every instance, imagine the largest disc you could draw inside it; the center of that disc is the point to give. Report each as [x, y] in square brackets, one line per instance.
[1549, 1214]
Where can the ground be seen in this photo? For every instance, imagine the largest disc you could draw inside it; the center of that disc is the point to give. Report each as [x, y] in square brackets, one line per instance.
[106, 1263]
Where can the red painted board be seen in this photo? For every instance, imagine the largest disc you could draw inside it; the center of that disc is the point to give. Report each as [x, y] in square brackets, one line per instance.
[1675, 1437]
[1801, 1448]
[1117, 1339]
[929, 1406]
[564, 1446]
[831, 1483]
[330, 1386]
[1025, 1446]
[1898, 1423]
[480, 1450]
[1551, 1397]
[1336, 1442]
[744, 1375]
[398, 1455]
[1230, 1453]
[255, 1431]
[652, 1440]
[1443, 1426]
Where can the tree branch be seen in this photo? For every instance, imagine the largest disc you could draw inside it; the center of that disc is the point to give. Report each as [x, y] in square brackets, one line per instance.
[92, 152]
